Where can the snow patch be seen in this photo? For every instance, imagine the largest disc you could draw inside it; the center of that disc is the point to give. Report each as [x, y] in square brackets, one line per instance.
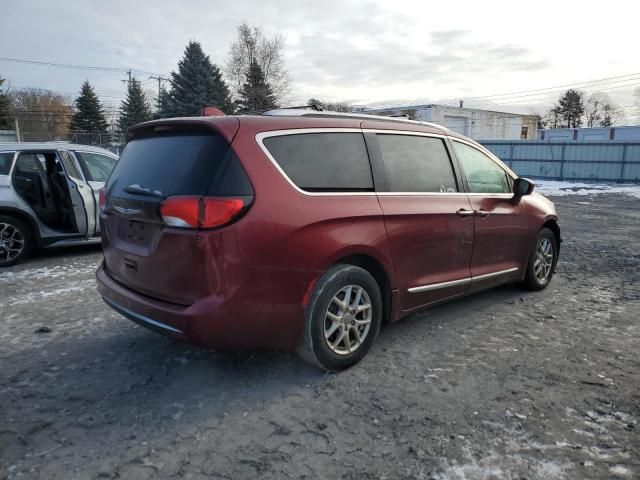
[560, 189]
[47, 272]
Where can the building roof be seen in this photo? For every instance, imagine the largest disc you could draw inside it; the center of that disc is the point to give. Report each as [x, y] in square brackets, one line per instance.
[437, 105]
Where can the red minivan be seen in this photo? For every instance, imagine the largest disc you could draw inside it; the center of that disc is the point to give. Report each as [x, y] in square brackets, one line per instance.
[309, 230]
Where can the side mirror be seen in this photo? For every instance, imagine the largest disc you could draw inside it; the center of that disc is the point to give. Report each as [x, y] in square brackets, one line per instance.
[522, 186]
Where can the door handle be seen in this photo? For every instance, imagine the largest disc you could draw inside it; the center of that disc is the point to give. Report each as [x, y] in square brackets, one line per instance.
[465, 213]
[482, 213]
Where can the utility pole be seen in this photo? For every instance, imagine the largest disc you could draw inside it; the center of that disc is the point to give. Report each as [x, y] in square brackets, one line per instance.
[17, 129]
[160, 79]
[128, 80]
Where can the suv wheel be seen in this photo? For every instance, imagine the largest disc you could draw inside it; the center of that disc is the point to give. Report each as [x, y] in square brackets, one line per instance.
[342, 319]
[14, 241]
[542, 261]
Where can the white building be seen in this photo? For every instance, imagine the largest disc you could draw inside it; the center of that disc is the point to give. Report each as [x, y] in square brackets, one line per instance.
[598, 134]
[473, 122]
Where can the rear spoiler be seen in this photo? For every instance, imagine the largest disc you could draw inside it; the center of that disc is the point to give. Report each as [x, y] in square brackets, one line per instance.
[227, 126]
[211, 112]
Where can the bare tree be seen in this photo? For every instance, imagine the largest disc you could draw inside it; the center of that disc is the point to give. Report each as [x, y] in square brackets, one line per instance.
[329, 106]
[251, 45]
[600, 111]
[42, 115]
[553, 118]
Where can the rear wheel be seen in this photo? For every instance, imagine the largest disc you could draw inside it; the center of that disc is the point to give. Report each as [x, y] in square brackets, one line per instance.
[342, 319]
[543, 261]
[14, 241]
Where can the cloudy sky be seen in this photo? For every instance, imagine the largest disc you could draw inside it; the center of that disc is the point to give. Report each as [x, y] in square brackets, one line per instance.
[359, 51]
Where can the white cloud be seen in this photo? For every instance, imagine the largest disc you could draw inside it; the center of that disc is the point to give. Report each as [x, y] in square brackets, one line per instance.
[358, 50]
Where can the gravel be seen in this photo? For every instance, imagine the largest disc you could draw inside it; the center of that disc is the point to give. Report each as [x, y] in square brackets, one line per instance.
[504, 384]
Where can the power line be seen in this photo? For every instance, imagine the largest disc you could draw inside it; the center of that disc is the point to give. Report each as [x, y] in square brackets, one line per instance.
[560, 91]
[554, 87]
[76, 67]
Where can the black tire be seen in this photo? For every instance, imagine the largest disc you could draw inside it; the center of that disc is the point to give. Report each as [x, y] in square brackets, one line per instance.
[19, 232]
[314, 347]
[531, 279]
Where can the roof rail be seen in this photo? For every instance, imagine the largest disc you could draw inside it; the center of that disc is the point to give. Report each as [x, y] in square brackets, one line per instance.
[288, 112]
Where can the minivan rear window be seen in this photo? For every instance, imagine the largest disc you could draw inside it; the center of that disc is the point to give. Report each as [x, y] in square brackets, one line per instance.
[323, 161]
[182, 164]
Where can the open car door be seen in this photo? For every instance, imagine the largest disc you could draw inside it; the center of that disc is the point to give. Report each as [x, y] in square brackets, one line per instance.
[80, 193]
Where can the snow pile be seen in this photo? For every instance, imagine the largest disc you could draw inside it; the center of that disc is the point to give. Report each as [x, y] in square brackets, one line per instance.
[558, 189]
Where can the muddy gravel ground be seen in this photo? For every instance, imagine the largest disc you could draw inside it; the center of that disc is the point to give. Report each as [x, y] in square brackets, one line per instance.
[504, 384]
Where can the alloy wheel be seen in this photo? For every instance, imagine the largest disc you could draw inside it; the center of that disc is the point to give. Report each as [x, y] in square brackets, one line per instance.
[348, 319]
[543, 263]
[12, 242]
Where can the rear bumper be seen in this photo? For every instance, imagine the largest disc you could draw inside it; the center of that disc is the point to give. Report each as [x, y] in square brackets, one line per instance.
[147, 322]
[240, 321]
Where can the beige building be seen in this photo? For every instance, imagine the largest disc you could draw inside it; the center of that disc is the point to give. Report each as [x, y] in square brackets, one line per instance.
[473, 122]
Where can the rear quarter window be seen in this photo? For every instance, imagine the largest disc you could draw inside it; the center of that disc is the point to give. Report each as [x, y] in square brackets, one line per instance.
[6, 159]
[323, 161]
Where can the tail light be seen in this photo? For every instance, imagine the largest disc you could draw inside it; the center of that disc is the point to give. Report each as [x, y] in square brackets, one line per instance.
[200, 212]
[102, 199]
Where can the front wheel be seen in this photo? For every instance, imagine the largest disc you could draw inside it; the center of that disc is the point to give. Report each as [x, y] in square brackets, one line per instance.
[543, 261]
[14, 241]
[342, 319]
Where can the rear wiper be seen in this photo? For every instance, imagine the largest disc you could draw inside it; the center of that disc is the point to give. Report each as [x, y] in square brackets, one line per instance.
[138, 190]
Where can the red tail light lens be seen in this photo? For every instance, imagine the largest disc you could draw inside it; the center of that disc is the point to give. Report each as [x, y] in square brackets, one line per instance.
[102, 199]
[219, 211]
[181, 211]
[200, 212]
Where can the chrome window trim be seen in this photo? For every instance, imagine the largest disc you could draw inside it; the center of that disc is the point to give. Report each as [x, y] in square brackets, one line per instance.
[259, 137]
[462, 281]
[403, 132]
[299, 131]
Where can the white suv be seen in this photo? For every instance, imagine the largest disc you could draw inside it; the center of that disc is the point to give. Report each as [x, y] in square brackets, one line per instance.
[49, 196]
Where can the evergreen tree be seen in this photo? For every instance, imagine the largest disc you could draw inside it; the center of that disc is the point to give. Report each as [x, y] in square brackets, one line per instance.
[255, 94]
[6, 122]
[164, 107]
[89, 115]
[571, 108]
[197, 83]
[135, 108]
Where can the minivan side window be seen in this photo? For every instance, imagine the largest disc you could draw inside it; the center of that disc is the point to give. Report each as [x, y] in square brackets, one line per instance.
[416, 163]
[323, 161]
[482, 173]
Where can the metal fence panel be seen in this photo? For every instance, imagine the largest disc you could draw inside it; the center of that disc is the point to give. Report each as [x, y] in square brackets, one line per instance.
[570, 160]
